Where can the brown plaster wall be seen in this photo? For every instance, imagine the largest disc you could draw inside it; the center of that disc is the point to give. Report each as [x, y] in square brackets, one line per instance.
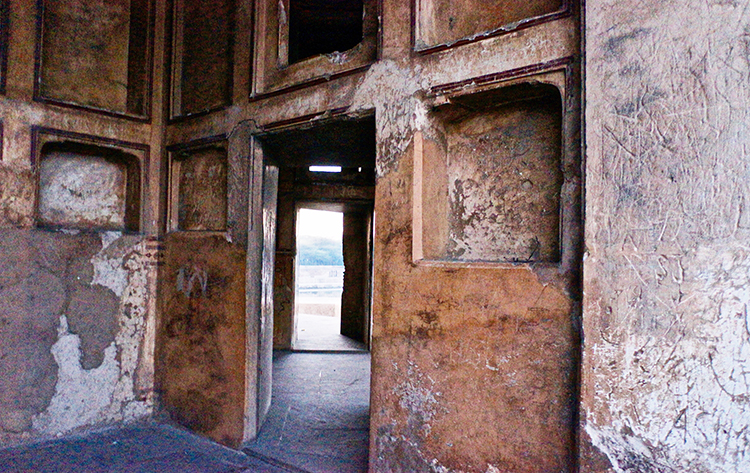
[426, 313]
[666, 272]
[474, 366]
[16, 197]
[273, 70]
[499, 172]
[465, 377]
[201, 335]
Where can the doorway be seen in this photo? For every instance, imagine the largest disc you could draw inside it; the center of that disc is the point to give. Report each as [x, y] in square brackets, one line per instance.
[319, 281]
[321, 294]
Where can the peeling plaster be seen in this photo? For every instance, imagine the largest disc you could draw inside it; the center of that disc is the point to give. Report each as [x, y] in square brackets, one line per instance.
[392, 90]
[109, 272]
[107, 393]
[80, 395]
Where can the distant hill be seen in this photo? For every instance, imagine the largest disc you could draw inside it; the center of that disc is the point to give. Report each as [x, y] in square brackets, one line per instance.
[319, 251]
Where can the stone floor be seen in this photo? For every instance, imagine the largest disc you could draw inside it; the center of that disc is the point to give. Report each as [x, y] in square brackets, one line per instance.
[319, 417]
[141, 448]
[322, 333]
[318, 423]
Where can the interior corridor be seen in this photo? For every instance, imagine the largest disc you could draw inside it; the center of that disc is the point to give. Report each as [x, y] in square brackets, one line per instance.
[319, 417]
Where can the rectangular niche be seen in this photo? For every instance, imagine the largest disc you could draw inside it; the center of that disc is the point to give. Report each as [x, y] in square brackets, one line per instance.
[95, 54]
[323, 27]
[202, 59]
[87, 186]
[199, 187]
[442, 22]
[307, 41]
[489, 177]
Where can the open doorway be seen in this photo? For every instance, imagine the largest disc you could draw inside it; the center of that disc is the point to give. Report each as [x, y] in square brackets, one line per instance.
[319, 280]
[332, 276]
[318, 395]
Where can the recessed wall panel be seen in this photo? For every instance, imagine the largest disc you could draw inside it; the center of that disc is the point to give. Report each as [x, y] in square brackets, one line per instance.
[447, 21]
[76, 189]
[94, 54]
[202, 62]
[87, 187]
[492, 178]
[200, 189]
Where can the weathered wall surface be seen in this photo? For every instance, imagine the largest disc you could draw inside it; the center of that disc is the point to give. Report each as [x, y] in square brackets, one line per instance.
[77, 306]
[474, 367]
[201, 335]
[465, 378]
[84, 53]
[667, 345]
[74, 326]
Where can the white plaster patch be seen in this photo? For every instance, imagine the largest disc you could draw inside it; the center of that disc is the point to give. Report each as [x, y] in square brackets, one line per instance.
[107, 393]
[109, 271]
[419, 401]
[391, 90]
[75, 189]
[80, 395]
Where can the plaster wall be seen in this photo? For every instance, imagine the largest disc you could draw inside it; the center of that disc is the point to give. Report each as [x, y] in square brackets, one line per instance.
[77, 304]
[201, 333]
[475, 366]
[76, 331]
[666, 338]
